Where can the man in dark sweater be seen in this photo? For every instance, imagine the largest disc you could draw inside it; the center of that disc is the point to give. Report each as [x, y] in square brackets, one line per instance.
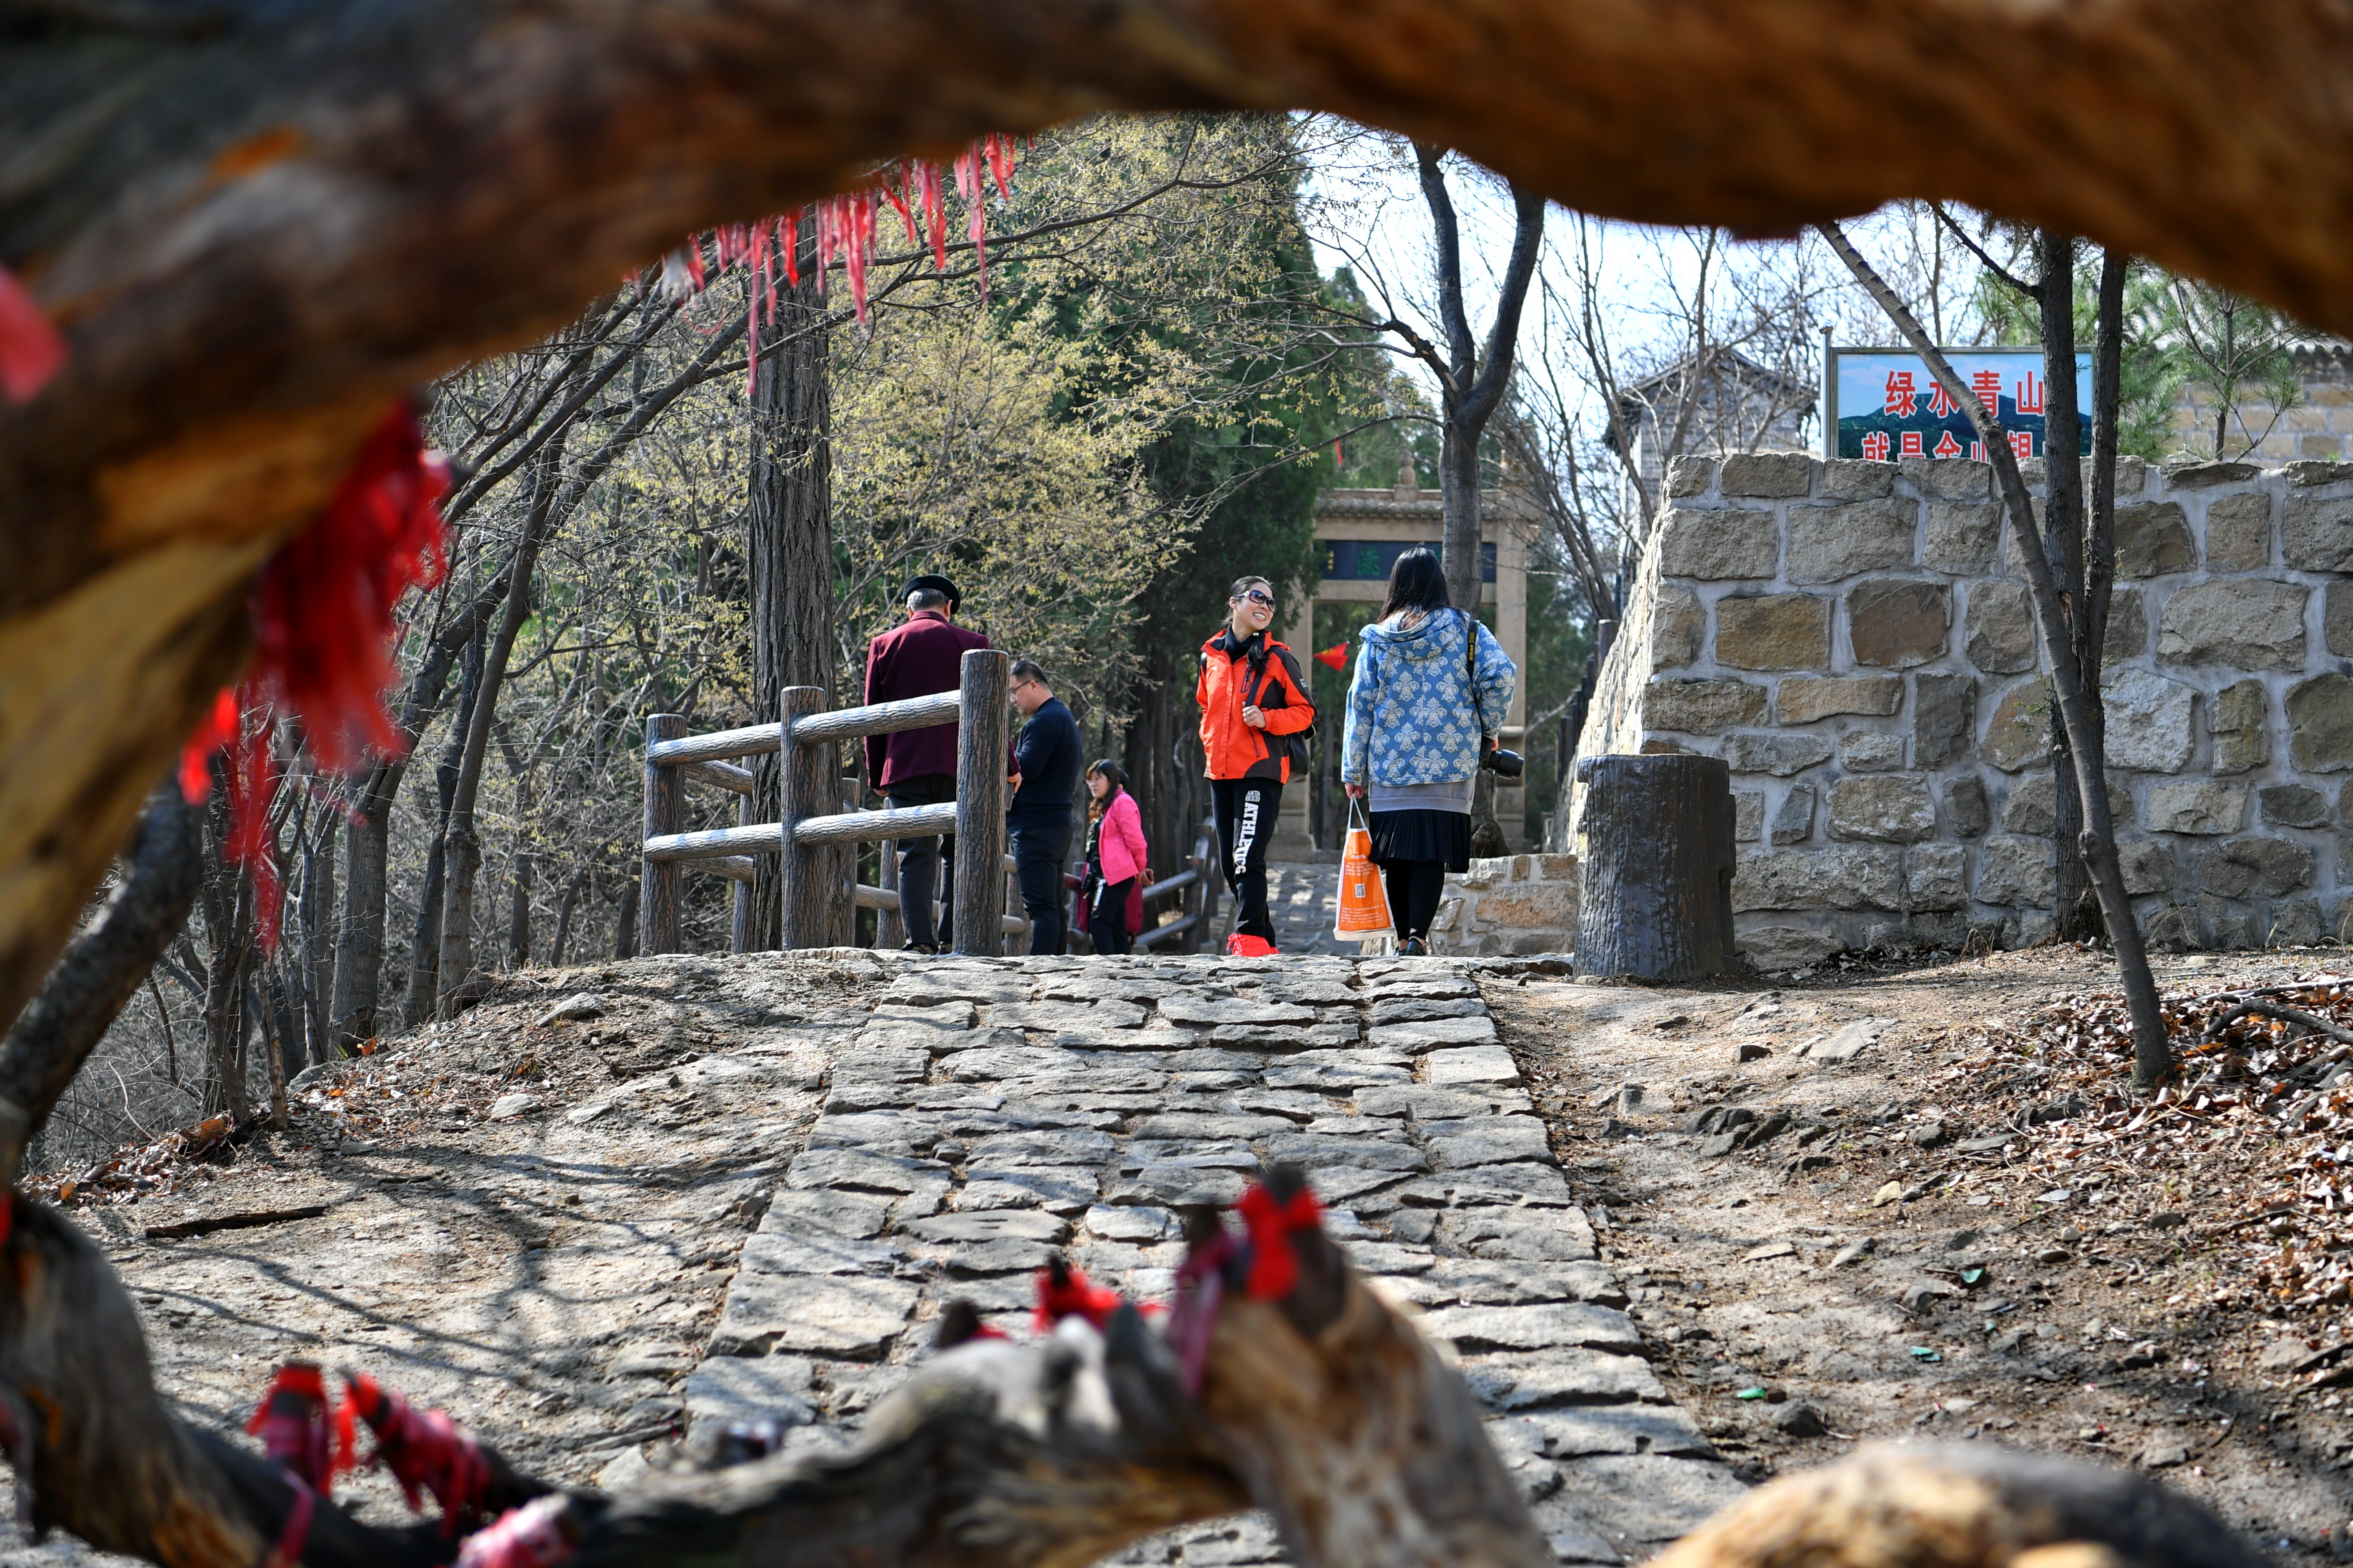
[1039, 815]
[917, 767]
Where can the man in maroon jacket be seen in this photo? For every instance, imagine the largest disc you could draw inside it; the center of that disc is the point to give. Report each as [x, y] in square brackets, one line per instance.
[917, 767]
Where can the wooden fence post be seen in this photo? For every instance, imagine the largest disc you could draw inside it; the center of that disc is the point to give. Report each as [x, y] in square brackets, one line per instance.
[803, 788]
[890, 925]
[980, 805]
[660, 881]
[740, 936]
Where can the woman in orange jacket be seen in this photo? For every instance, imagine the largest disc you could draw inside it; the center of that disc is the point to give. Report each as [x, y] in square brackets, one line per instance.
[1255, 710]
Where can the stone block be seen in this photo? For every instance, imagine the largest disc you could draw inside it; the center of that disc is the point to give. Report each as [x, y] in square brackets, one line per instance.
[1960, 537]
[2247, 624]
[2240, 716]
[1773, 631]
[1830, 543]
[1688, 476]
[1857, 479]
[1701, 707]
[1948, 478]
[1935, 876]
[2128, 635]
[2016, 871]
[854, 1317]
[2132, 476]
[1802, 698]
[1773, 949]
[1897, 624]
[2204, 807]
[2297, 923]
[2152, 539]
[2173, 929]
[1678, 627]
[1473, 1063]
[2197, 476]
[1966, 811]
[1793, 819]
[2320, 724]
[2019, 733]
[1717, 545]
[1531, 906]
[1892, 810]
[1775, 475]
[2292, 805]
[2149, 866]
[2306, 474]
[2149, 722]
[1869, 752]
[1943, 718]
[2317, 533]
[1779, 755]
[1849, 876]
[2032, 807]
[2239, 533]
[2262, 868]
[1999, 630]
[1748, 816]
[2337, 619]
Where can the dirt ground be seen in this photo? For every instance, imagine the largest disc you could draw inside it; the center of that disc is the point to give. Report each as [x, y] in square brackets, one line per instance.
[1962, 1231]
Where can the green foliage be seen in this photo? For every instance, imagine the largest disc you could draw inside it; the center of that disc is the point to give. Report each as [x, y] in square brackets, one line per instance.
[2151, 371]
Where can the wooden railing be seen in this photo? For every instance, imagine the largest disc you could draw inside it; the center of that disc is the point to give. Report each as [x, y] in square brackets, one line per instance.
[1200, 888]
[804, 739]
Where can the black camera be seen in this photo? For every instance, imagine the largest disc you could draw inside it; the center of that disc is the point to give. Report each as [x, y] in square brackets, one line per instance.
[1503, 764]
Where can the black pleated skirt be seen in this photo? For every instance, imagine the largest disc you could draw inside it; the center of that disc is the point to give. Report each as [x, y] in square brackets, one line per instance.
[1422, 835]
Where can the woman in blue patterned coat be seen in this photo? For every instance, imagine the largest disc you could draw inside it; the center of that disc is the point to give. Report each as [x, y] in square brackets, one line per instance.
[1431, 686]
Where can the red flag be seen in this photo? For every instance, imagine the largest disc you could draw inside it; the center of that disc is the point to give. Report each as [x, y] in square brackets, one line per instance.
[1335, 656]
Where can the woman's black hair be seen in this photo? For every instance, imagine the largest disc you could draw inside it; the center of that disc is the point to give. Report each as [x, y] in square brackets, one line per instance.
[1242, 585]
[1118, 777]
[1415, 583]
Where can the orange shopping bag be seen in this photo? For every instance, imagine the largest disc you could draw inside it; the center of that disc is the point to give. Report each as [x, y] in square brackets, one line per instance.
[1363, 903]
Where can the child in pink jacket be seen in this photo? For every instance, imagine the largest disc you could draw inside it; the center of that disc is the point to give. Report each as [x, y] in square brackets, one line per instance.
[1115, 859]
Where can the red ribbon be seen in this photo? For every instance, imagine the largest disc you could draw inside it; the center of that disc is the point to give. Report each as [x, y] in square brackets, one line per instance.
[299, 1432]
[1077, 1294]
[423, 1449]
[1274, 1261]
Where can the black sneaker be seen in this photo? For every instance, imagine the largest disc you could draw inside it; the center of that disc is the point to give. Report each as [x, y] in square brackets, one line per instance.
[1413, 947]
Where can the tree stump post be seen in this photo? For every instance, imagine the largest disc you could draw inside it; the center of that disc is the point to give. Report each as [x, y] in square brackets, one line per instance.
[802, 787]
[1654, 899]
[662, 881]
[980, 805]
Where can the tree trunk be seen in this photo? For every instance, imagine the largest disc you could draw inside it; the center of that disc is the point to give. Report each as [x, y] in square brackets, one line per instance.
[564, 914]
[225, 1018]
[518, 908]
[460, 985]
[318, 942]
[625, 923]
[595, 160]
[2074, 908]
[1656, 898]
[425, 950]
[2078, 705]
[165, 867]
[790, 549]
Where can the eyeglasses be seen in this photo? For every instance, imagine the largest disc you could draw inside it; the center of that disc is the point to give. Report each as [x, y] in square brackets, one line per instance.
[1257, 598]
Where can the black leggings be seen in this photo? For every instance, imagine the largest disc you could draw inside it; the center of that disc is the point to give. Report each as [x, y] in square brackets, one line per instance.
[1414, 887]
[1107, 918]
[1246, 810]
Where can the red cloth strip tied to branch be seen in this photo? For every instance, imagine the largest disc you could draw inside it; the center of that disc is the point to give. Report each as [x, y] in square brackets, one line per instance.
[1064, 1291]
[322, 629]
[31, 350]
[424, 1450]
[541, 1533]
[299, 1431]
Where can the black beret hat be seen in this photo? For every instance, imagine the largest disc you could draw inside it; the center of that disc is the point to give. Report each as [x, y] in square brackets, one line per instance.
[933, 583]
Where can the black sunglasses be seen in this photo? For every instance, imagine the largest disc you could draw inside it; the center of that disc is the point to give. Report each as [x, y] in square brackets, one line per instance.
[1258, 598]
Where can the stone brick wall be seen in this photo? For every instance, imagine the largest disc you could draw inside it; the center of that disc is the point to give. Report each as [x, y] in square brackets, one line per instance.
[1854, 638]
[1510, 905]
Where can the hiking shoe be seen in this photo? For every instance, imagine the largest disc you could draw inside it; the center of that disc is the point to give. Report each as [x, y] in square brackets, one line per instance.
[1413, 947]
[1240, 945]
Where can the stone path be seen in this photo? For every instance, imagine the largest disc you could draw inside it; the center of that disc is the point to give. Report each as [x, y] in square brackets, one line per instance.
[988, 1112]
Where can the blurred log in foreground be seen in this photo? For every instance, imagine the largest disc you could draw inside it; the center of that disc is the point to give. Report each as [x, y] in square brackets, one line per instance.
[258, 223]
[1315, 1401]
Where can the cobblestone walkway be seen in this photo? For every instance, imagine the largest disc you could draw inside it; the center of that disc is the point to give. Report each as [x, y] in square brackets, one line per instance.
[988, 1112]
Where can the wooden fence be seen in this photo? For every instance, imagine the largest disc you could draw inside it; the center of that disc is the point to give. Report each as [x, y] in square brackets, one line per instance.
[815, 901]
